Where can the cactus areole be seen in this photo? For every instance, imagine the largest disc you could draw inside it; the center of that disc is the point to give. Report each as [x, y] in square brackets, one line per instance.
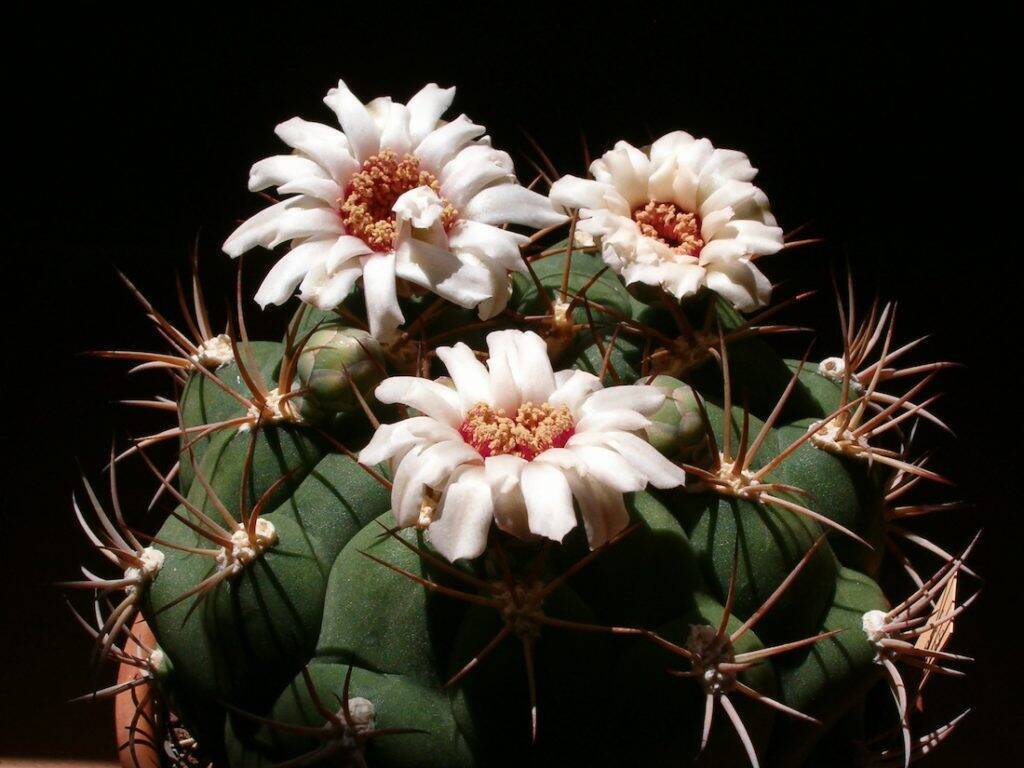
[519, 483]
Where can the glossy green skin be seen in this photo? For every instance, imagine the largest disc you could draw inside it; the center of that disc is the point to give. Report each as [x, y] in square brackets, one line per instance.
[317, 599]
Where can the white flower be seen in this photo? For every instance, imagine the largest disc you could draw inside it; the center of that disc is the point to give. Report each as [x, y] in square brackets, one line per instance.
[397, 195]
[681, 217]
[515, 442]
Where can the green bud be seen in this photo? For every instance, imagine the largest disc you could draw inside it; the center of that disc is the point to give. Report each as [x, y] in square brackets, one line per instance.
[677, 428]
[334, 358]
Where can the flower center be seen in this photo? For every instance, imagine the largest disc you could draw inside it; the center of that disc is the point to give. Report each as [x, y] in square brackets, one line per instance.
[666, 222]
[371, 194]
[533, 430]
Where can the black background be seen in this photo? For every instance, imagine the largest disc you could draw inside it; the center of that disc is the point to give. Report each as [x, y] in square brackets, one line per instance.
[130, 133]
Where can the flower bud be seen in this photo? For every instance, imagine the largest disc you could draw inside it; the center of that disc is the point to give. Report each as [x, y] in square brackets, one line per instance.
[334, 358]
[677, 428]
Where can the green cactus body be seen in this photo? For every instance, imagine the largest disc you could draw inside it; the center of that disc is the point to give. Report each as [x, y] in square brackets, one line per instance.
[308, 609]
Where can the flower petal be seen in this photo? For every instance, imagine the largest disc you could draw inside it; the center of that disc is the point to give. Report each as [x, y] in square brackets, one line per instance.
[431, 470]
[574, 389]
[503, 475]
[381, 292]
[741, 283]
[614, 418]
[470, 376]
[325, 190]
[603, 510]
[281, 169]
[425, 109]
[441, 144]
[574, 192]
[492, 244]
[391, 440]
[394, 131]
[282, 279]
[333, 288]
[429, 397]
[359, 126]
[460, 281]
[465, 520]
[473, 168]
[669, 145]
[296, 217]
[627, 169]
[548, 501]
[512, 204]
[607, 467]
[520, 369]
[635, 397]
[324, 145]
[641, 455]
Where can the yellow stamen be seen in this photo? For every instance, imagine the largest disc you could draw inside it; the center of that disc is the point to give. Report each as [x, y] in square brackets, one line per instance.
[533, 430]
[371, 194]
[666, 222]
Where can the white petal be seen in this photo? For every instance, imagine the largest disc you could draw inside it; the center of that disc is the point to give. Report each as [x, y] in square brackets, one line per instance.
[393, 439]
[472, 169]
[669, 145]
[574, 389]
[466, 510]
[534, 376]
[426, 108]
[326, 191]
[344, 249]
[324, 145]
[573, 192]
[603, 509]
[394, 133]
[741, 283]
[646, 273]
[503, 475]
[730, 194]
[682, 279]
[333, 289]
[635, 397]
[500, 290]
[711, 226]
[641, 455]
[729, 164]
[472, 381]
[433, 467]
[758, 239]
[282, 279]
[381, 292]
[441, 144]
[512, 204]
[426, 396]
[501, 350]
[520, 369]
[672, 182]
[615, 418]
[359, 126]
[627, 169]
[296, 217]
[488, 243]
[281, 169]
[548, 501]
[461, 281]
[607, 466]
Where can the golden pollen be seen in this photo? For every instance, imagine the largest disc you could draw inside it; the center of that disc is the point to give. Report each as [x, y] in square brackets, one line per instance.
[533, 430]
[372, 192]
[666, 222]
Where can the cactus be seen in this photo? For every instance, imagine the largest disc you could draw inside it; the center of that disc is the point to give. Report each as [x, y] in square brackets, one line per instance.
[683, 557]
